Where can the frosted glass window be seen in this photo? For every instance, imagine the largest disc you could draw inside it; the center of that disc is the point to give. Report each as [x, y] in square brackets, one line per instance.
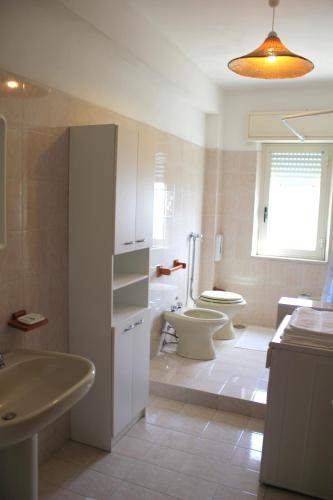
[164, 204]
[294, 206]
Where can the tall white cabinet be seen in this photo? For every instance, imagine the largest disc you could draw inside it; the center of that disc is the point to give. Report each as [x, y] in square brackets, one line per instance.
[110, 232]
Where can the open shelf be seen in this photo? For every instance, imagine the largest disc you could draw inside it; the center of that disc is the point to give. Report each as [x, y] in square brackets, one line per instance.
[124, 279]
[123, 312]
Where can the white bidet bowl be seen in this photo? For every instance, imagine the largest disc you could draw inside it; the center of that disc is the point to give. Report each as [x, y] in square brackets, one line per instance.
[195, 328]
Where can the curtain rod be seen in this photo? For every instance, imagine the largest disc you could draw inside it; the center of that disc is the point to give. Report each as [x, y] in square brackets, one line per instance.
[302, 115]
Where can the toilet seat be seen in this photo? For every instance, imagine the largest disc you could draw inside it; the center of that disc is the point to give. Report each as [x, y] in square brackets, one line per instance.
[221, 297]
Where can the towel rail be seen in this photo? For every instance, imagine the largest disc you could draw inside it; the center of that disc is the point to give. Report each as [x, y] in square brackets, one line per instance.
[165, 271]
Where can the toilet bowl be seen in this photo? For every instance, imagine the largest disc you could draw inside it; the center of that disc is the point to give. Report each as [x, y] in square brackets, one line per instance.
[195, 328]
[227, 302]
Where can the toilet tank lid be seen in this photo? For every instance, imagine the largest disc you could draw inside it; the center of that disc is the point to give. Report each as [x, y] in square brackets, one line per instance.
[221, 296]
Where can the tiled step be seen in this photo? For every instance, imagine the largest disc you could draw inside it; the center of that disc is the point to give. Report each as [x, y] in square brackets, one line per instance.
[211, 400]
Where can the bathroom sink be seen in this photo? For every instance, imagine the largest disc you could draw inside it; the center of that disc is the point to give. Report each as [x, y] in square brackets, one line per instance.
[36, 387]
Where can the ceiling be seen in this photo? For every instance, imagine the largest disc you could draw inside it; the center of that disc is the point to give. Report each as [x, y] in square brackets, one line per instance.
[211, 32]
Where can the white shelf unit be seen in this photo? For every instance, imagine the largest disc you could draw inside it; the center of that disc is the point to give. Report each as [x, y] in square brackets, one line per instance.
[122, 280]
[108, 280]
[129, 269]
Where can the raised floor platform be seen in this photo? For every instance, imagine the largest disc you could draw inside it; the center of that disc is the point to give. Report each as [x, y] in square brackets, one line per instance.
[235, 381]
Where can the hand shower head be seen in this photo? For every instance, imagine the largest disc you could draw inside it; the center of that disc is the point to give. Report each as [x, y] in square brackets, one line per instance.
[196, 235]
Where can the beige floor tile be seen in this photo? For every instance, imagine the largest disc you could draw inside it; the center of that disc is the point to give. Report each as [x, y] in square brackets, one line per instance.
[262, 385]
[167, 404]
[80, 453]
[186, 457]
[191, 425]
[245, 457]
[132, 447]
[225, 493]
[50, 492]
[209, 385]
[93, 484]
[178, 440]
[260, 396]
[166, 457]
[190, 488]
[247, 382]
[216, 450]
[114, 465]
[235, 373]
[251, 440]
[233, 419]
[128, 491]
[256, 424]
[239, 478]
[238, 391]
[160, 416]
[148, 432]
[59, 472]
[152, 477]
[206, 468]
[195, 411]
[222, 432]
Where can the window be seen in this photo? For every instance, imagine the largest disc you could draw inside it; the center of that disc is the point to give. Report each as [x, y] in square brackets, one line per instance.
[293, 209]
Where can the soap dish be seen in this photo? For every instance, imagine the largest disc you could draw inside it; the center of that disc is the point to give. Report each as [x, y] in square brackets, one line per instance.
[15, 323]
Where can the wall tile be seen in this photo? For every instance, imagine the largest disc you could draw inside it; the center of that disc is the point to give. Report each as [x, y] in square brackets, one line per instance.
[261, 281]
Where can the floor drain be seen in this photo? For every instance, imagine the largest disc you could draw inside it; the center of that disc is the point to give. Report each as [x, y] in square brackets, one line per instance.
[8, 416]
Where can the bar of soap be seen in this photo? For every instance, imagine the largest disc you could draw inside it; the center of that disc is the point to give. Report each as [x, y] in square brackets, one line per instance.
[31, 318]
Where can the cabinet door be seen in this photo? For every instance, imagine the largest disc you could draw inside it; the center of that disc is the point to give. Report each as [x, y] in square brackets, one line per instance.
[123, 376]
[141, 351]
[145, 191]
[125, 192]
[298, 439]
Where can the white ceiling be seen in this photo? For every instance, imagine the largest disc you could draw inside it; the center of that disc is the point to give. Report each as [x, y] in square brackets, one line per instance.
[211, 32]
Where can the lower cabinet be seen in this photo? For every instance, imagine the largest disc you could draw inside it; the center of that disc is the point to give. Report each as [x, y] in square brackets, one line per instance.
[298, 439]
[131, 370]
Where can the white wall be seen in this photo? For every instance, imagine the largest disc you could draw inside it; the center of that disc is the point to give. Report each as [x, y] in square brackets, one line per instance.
[237, 105]
[117, 60]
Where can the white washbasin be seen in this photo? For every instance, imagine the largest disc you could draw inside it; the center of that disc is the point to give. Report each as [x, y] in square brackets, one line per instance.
[36, 387]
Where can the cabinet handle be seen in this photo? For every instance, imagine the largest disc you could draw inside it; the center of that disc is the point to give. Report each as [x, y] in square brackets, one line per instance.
[133, 325]
[143, 240]
[129, 328]
[128, 243]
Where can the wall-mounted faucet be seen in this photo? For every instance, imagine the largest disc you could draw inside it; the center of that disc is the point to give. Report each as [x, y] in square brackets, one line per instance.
[176, 307]
[2, 360]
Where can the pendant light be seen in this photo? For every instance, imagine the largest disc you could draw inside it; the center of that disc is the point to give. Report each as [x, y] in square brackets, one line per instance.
[272, 59]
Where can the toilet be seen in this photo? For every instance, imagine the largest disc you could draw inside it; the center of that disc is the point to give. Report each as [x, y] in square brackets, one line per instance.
[195, 328]
[227, 302]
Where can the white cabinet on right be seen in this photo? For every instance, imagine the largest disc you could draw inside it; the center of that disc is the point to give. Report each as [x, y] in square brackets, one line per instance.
[298, 439]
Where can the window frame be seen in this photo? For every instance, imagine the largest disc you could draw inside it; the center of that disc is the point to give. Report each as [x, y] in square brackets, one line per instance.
[262, 201]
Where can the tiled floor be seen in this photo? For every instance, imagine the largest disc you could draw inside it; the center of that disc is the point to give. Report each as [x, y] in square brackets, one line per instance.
[179, 451]
[236, 372]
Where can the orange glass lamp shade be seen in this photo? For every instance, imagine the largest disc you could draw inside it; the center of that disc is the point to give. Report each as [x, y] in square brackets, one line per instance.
[272, 60]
